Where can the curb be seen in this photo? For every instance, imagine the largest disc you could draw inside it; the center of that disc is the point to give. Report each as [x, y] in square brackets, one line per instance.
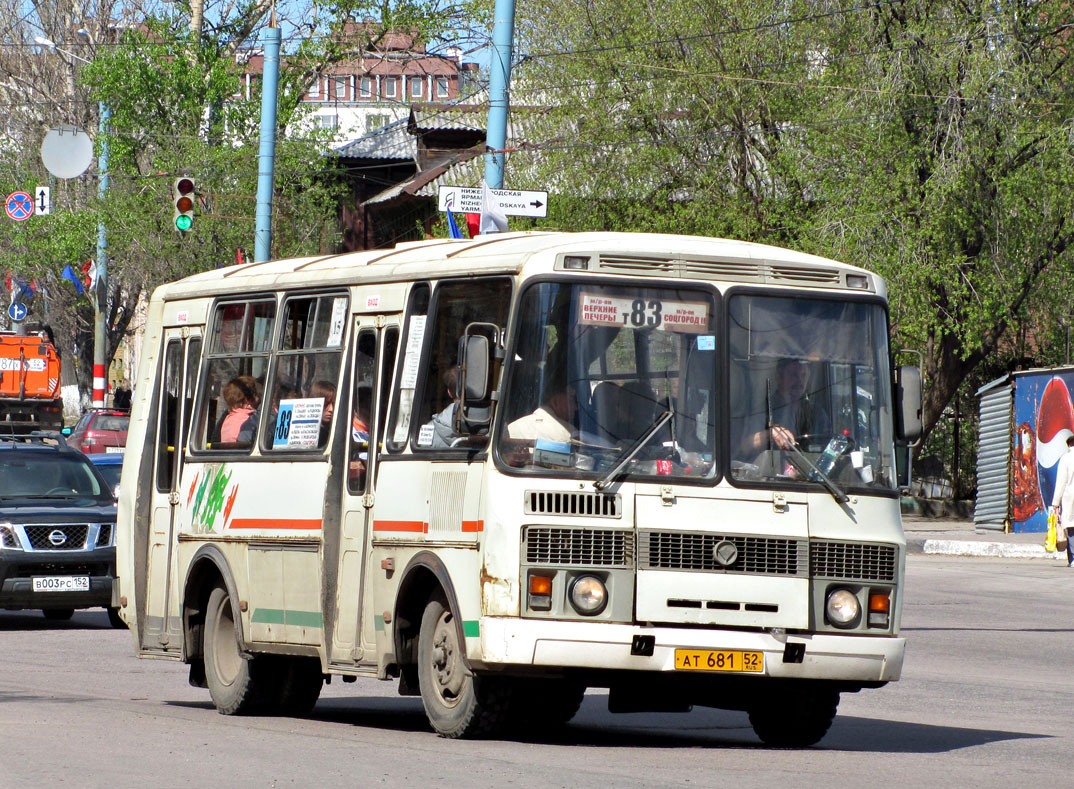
[999, 550]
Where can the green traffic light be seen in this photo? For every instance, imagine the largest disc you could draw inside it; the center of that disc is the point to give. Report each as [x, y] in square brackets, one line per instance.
[183, 222]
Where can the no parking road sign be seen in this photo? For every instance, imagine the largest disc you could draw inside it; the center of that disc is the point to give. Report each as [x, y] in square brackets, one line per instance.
[19, 206]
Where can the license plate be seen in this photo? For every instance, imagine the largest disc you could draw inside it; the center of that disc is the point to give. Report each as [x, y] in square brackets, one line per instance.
[62, 583]
[718, 660]
[114, 450]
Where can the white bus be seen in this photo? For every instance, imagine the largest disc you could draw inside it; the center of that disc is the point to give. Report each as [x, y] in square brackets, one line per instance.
[508, 469]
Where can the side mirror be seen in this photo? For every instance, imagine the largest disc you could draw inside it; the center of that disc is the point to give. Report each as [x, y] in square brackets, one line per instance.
[908, 424]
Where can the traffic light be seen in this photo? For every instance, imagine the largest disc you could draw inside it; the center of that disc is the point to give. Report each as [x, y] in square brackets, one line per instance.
[183, 200]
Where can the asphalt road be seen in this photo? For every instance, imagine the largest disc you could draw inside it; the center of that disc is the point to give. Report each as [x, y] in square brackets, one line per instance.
[984, 701]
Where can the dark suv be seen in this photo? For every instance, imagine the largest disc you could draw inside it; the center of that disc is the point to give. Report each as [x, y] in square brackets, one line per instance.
[57, 528]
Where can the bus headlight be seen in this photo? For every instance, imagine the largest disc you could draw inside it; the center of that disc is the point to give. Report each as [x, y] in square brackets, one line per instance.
[842, 608]
[588, 595]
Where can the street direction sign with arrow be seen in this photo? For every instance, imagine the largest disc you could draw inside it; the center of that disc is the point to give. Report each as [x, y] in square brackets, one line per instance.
[19, 206]
[42, 201]
[17, 311]
[511, 202]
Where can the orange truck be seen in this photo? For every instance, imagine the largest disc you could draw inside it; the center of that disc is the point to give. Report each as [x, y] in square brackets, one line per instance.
[30, 397]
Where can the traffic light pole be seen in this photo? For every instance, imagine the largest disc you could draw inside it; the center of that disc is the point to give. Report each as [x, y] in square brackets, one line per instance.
[267, 153]
[100, 297]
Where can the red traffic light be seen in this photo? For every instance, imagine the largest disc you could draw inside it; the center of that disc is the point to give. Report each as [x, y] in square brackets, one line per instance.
[184, 186]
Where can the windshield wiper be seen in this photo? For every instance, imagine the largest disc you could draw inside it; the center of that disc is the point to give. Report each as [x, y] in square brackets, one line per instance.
[806, 466]
[633, 449]
[798, 459]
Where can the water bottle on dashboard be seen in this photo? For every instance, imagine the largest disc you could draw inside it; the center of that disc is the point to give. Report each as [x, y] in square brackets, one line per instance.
[836, 447]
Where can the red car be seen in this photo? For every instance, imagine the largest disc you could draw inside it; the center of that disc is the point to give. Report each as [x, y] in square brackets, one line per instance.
[102, 430]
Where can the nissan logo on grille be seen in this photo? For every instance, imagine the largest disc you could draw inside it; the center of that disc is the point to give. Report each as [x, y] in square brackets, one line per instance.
[725, 553]
[57, 537]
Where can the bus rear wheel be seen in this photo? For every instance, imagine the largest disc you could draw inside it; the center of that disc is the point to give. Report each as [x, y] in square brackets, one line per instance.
[457, 703]
[235, 682]
[795, 718]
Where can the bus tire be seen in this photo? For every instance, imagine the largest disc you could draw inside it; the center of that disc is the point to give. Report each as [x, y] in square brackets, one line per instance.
[299, 681]
[236, 684]
[795, 718]
[457, 703]
[540, 704]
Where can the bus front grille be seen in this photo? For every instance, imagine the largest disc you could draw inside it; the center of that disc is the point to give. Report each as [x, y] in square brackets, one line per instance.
[854, 561]
[550, 545]
[565, 502]
[755, 555]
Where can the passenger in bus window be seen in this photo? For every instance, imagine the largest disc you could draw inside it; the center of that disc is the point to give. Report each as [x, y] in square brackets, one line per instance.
[327, 391]
[240, 421]
[359, 455]
[443, 424]
[551, 421]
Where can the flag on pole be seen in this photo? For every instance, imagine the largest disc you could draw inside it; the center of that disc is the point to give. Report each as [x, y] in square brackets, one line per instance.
[473, 224]
[493, 220]
[90, 270]
[69, 274]
[453, 226]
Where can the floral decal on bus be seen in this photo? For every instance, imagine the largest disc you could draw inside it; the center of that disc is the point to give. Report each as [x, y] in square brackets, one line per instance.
[210, 497]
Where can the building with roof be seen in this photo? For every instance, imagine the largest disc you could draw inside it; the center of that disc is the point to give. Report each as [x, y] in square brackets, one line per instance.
[377, 86]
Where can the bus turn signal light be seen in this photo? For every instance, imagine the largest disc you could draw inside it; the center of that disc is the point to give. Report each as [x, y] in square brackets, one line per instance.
[540, 592]
[879, 609]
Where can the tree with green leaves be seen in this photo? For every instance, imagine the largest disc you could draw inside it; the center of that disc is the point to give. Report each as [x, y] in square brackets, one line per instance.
[172, 78]
[926, 140]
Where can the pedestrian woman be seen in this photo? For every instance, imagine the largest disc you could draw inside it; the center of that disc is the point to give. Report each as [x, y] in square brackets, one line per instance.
[1063, 498]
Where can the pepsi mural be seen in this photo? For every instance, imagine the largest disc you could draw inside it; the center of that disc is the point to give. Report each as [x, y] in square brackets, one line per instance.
[1043, 418]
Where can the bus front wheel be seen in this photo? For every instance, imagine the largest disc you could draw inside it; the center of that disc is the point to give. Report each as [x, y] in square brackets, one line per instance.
[233, 679]
[457, 703]
[795, 718]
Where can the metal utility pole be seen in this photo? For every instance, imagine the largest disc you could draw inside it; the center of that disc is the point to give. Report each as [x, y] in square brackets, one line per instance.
[503, 33]
[100, 299]
[266, 157]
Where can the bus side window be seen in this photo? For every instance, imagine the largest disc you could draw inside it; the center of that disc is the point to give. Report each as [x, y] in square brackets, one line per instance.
[365, 370]
[306, 372]
[456, 305]
[235, 364]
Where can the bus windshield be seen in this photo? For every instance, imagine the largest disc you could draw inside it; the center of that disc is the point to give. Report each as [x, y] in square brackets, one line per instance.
[809, 386]
[596, 366]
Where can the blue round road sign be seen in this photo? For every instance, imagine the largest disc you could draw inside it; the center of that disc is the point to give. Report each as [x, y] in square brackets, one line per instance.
[17, 311]
[19, 206]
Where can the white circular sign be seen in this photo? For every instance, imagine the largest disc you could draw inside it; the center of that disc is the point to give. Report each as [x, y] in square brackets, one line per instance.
[67, 151]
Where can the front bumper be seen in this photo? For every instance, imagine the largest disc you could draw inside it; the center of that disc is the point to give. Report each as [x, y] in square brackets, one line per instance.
[19, 568]
[592, 645]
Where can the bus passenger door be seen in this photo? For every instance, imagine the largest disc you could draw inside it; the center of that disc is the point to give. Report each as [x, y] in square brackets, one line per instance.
[371, 369]
[182, 355]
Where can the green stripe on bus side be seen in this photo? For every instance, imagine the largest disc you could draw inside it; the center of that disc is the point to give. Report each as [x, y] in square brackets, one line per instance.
[277, 616]
[471, 628]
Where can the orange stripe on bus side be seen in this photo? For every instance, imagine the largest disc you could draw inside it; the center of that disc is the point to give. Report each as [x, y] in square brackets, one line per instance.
[414, 527]
[473, 526]
[275, 523]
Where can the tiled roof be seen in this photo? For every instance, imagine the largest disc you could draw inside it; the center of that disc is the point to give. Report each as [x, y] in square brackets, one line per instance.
[391, 141]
